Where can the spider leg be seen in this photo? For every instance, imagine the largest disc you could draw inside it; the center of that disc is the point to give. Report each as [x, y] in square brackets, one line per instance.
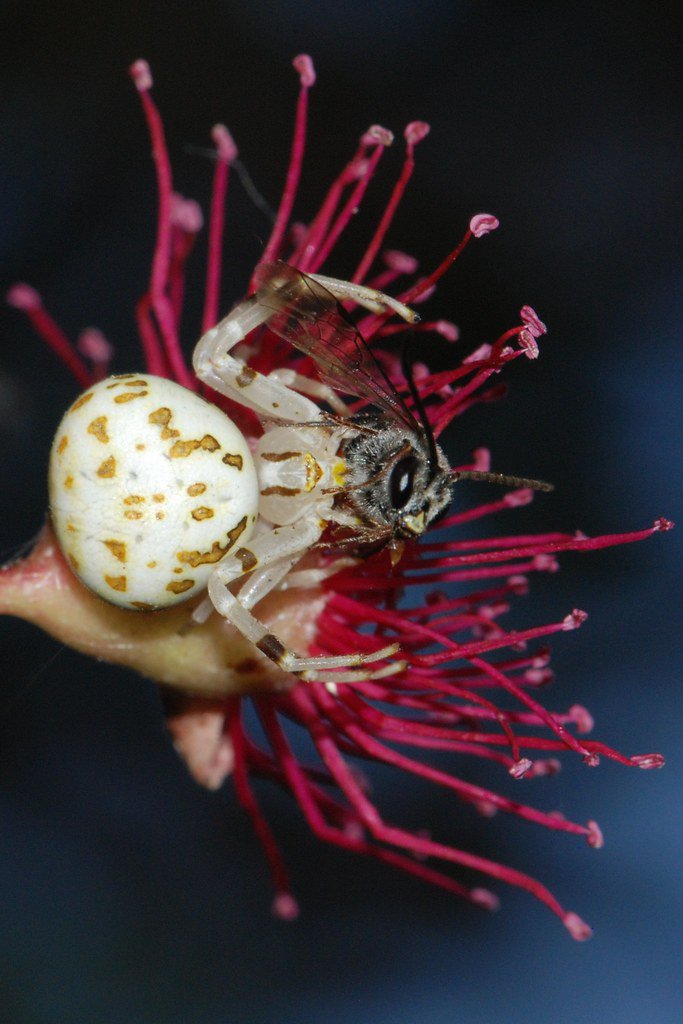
[271, 555]
[258, 584]
[265, 395]
[315, 388]
[369, 298]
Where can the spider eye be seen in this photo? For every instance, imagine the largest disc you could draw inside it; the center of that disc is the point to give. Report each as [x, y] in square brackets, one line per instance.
[401, 482]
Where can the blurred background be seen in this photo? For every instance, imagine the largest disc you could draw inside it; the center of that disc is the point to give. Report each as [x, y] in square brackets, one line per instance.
[126, 892]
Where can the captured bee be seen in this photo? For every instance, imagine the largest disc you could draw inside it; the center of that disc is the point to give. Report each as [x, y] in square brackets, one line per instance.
[155, 493]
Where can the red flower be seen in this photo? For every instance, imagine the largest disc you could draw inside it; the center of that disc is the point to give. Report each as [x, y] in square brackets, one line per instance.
[469, 686]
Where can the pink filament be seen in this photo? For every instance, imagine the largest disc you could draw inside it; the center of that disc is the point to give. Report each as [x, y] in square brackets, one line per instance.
[414, 133]
[226, 151]
[23, 297]
[304, 66]
[161, 260]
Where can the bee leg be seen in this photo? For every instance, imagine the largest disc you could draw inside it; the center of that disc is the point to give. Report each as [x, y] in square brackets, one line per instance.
[270, 556]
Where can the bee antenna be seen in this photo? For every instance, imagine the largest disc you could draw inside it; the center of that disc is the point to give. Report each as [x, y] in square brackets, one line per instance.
[501, 478]
[407, 367]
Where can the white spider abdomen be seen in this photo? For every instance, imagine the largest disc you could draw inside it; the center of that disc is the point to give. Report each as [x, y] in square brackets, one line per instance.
[150, 486]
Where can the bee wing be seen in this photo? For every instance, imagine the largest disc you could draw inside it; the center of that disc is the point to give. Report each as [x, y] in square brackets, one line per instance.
[311, 319]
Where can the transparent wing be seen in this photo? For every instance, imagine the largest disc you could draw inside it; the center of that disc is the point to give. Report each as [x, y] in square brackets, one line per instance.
[311, 319]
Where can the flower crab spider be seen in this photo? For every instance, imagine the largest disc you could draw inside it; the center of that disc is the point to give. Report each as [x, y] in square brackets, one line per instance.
[155, 493]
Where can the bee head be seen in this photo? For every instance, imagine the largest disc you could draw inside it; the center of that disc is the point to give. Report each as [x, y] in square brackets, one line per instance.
[394, 482]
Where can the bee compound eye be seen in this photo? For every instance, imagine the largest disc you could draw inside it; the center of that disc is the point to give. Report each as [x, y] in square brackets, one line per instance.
[401, 482]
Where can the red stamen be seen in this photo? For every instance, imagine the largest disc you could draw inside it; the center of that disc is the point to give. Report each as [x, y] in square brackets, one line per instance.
[304, 65]
[311, 238]
[541, 544]
[27, 299]
[187, 222]
[381, 139]
[552, 723]
[414, 133]
[479, 225]
[423, 286]
[383, 833]
[226, 152]
[284, 904]
[345, 724]
[95, 347]
[161, 260]
[513, 499]
[497, 542]
[155, 360]
[445, 328]
[311, 800]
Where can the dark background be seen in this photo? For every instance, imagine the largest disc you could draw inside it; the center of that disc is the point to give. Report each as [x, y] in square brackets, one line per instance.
[126, 893]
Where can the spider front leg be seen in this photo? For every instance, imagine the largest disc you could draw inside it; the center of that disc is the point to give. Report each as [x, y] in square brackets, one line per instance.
[291, 303]
[314, 388]
[270, 555]
[265, 395]
[368, 298]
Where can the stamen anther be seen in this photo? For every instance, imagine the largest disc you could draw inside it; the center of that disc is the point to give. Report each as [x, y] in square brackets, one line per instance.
[577, 927]
[224, 143]
[400, 262]
[595, 837]
[376, 135]
[482, 223]
[303, 63]
[416, 131]
[574, 620]
[142, 76]
[23, 296]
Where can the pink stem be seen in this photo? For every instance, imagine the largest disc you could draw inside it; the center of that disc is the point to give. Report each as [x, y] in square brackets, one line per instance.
[310, 799]
[161, 259]
[246, 798]
[414, 133]
[465, 790]
[552, 723]
[226, 151]
[27, 299]
[305, 251]
[351, 205]
[304, 65]
[151, 344]
[420, 845]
